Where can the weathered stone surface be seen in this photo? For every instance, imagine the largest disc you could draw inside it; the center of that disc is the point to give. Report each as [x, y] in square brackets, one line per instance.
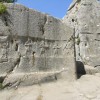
[73, 4]
[37, 48]
[86, 88]
[32, 43]
[84, 17]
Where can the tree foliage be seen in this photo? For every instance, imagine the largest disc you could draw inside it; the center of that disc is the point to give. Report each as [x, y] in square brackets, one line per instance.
[8, 1]
[2, 8]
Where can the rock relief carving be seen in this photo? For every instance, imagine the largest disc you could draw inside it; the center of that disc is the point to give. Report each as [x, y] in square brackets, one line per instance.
[28, 46]
[43, 47]
[56, 48]
[4, 47]
[15, 45]
[28, 59]
[67, 48]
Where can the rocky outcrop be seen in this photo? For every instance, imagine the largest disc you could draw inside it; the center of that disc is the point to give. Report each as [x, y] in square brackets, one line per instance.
[34, 47]
[37, 48]
[84, 17]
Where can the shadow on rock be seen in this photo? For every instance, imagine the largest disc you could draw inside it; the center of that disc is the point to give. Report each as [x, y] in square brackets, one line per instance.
[80, 69]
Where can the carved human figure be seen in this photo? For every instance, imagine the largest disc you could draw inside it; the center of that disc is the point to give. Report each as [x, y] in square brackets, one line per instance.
[4, 51]
[67, 48]
[34, 45]
[28, 46]
[56, 49]
[43, 47]
[15, 44]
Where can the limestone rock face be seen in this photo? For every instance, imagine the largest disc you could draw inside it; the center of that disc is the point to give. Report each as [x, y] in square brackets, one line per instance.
[34, 47]
[84, 17]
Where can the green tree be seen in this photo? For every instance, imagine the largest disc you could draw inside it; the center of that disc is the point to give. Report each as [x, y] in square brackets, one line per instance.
[2, 8]
[8, 1]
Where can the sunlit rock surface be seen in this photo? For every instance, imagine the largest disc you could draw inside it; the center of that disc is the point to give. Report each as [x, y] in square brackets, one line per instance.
[34, 47]
[40, 56]
[84, 17]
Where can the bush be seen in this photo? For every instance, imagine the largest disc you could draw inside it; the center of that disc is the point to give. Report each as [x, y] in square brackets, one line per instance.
[2, 8]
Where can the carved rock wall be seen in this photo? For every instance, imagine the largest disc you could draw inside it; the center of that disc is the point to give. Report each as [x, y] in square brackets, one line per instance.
[84, 17]
[34, 47]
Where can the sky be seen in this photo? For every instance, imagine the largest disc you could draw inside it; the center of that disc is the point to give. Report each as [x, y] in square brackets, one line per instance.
[56, 8]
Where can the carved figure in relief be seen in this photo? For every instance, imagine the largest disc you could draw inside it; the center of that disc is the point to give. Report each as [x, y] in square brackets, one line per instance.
[43, 47]
[15, 45]
[56, 49]
[4, 57]
[67, 48]
[28, 46]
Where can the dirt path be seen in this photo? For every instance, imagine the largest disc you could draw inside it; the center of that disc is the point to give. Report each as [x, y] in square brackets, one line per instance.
[86, 88]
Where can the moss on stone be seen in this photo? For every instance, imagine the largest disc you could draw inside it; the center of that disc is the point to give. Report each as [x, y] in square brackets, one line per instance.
[1, 86]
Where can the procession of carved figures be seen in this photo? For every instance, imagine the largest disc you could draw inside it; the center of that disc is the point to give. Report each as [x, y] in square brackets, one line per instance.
[33, 47]
[47, 48]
